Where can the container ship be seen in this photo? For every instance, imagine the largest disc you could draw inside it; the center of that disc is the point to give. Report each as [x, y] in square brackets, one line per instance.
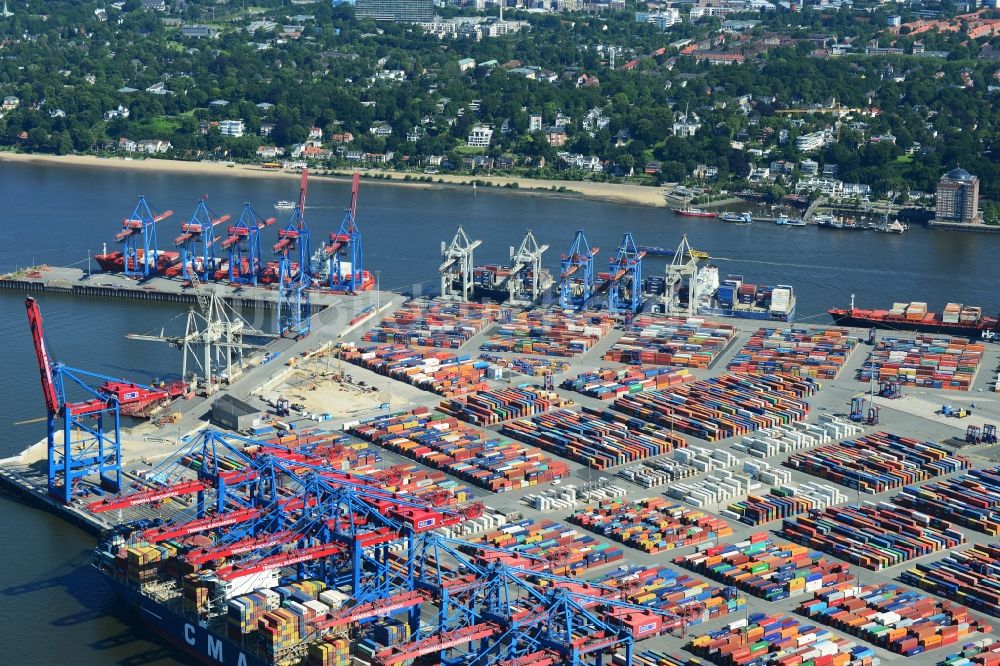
[489, 282]
[956, 319]
[114, 262]
[734, 297]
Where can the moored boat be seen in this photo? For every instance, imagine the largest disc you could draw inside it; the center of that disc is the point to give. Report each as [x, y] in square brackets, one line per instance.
[736, 218]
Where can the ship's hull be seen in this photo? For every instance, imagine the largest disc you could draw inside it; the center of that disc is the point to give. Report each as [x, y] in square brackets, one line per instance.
[693, 213]
[196, 641]
[760, 314]
[845, 318]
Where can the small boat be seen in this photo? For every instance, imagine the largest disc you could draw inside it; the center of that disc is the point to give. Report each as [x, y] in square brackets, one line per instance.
[285, 205]
[786, 221]
[883, 226]
[736, 218]
[694, 212]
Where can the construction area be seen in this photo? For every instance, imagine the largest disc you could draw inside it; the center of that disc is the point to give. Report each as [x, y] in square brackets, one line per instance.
[529, 469]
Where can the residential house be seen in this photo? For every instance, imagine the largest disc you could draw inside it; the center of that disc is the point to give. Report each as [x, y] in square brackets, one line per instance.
[158, 88]
[354, 155]
[153, 146]
[126, 145]
[415, 134]
[587, 163]
[269, 152]
[341, 137]
[266, 129]
[705, 172]
[813, 141]
[315, 134]
[562, 120]
[687, 124]
[465, 64]
[595, 120]
[622, 137]
[10, 102]
[809, 167]
[534, 122]
[652, 168]
[480, 136]
[716, 58]
[381, 129]
[316, 153]
[233, 128]
[120, 112]
[556, 136]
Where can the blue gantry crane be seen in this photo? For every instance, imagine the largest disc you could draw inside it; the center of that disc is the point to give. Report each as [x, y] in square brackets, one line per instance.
[197, 240]
[89, 440]
[345, 259]
[577, 278]
[270, 512]
[294, 279]
[140, 255]
[244, 247]
[625, 278]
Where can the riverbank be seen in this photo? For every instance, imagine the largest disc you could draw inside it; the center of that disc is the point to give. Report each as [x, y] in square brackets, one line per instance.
[611, 192]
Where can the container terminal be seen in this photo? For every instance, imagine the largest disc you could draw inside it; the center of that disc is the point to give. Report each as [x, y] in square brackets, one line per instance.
[592, 472]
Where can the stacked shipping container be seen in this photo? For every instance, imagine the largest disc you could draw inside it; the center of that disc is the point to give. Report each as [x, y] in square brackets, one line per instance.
[607, 384]
[783, 502]
[971, 577]
[691, 343]
[725, 406]
[928, 361]
[551, 546]
[469, 453]
[661, 587]
[594, 438]
[550, 332]
[878, 462]
[972, 499]
[434, 323]
[893, 617]
[492, 406]
[652, 525]
[771, 570]
[441, 372]
[819, 353]
[780, 641]
[875, 537]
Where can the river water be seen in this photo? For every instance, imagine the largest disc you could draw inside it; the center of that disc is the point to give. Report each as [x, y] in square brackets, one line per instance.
[54, 610]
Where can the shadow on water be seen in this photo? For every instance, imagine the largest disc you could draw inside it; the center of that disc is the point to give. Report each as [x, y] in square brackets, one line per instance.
[133, 644]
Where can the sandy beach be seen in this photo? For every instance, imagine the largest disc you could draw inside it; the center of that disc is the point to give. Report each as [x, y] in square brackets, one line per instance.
[612, 192]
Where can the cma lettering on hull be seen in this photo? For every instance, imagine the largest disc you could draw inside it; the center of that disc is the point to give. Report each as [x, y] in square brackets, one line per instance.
[212, 646]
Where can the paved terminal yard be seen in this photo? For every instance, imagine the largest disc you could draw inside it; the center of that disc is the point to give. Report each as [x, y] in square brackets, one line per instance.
[912, 416]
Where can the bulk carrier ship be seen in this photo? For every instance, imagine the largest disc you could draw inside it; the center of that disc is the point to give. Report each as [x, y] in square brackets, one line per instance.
[957, 319]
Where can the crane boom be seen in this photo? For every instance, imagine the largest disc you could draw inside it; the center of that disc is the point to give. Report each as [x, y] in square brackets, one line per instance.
[302, 196]
[52, 402]
[436, 643]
